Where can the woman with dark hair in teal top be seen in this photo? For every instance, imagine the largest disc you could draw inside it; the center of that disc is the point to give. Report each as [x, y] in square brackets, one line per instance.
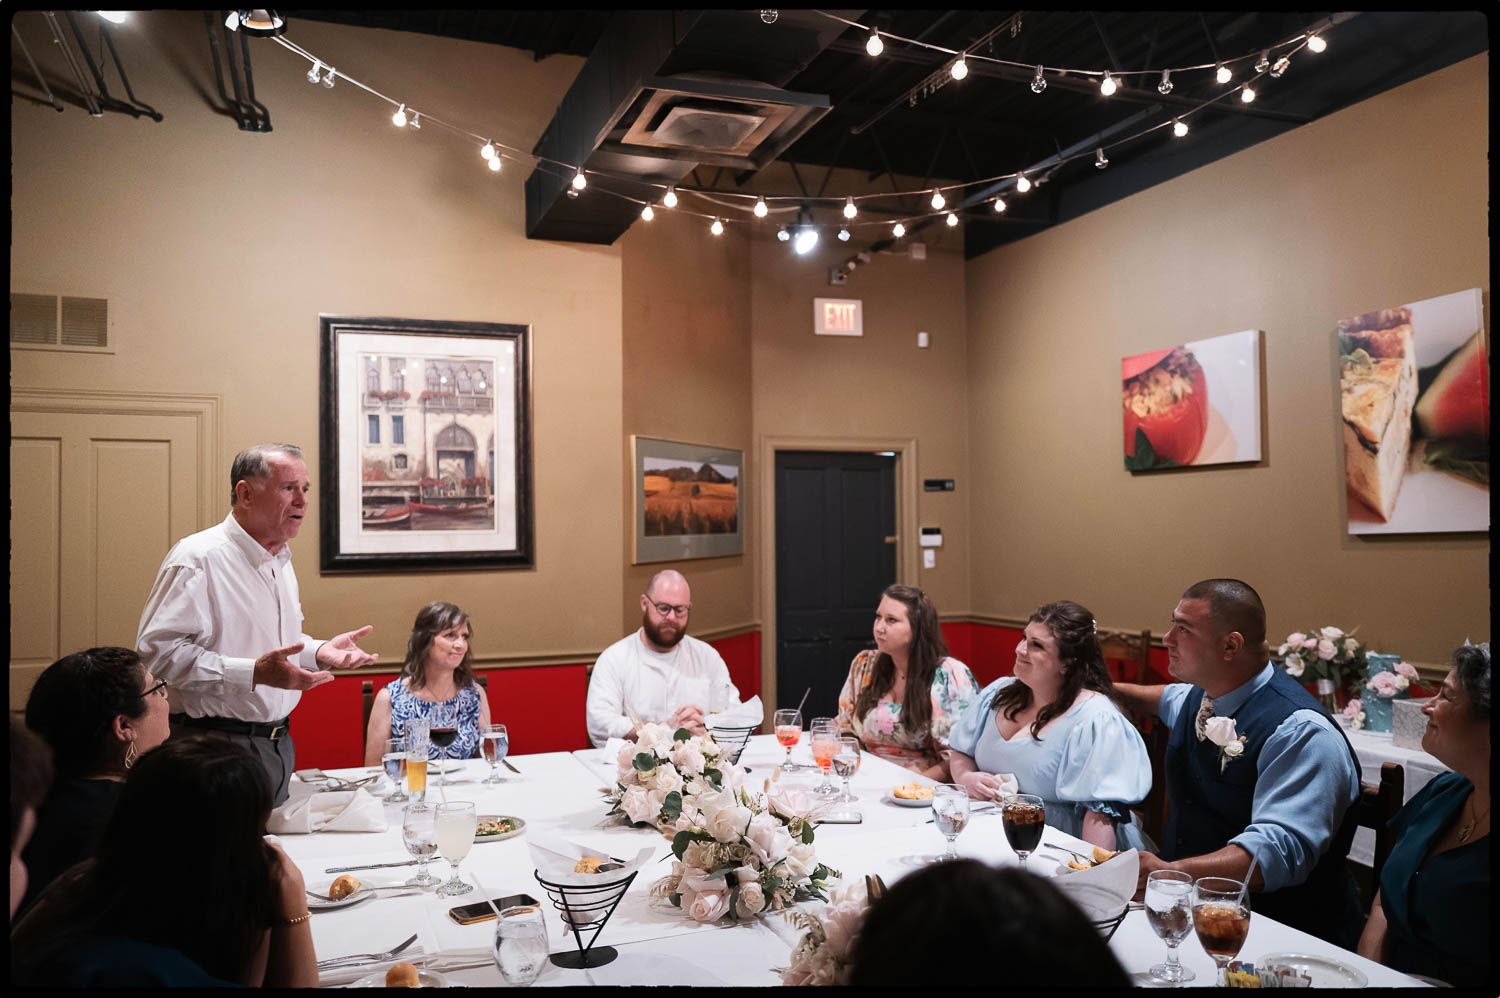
[1432, 913]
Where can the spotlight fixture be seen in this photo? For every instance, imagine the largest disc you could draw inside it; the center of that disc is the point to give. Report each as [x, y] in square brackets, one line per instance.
[760, 203]
[783, 234]
[1022, 184]
[1223, 75]
[669, 199]
[1179, 127]
[874, 45]
[1165, 86]
[312, 74]
[399, 118]
[260, 23]
[113, 16]
[938, 200]
[1099, 161]
[849, 210]
[805, 240]
[647, 214]
[769, 16]
[1247, 95]
[959, 69]
[570, 192]
[999, 205]
[328, 78]
[843, 235]
[898, 230]
[1107, 86]
[1315, 42]
[1038, 82]
[952, 220]
[580, 181]
[717, 228]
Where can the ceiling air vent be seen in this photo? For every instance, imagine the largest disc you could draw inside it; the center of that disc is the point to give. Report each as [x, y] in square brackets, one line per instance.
[59, 322]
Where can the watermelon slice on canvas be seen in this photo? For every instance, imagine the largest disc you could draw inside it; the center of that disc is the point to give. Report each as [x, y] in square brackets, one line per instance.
[1457, 403]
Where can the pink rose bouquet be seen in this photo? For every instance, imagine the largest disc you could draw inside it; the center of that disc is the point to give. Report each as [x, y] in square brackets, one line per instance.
[823, 955]
[663, 772]
[1335, 657]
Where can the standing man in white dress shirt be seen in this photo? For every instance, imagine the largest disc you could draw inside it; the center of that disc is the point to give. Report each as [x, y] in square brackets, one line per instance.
[659, 673]
[223, 623]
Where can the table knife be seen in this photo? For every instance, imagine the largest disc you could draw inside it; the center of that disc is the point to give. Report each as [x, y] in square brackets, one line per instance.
[510, 767]
[371, 866]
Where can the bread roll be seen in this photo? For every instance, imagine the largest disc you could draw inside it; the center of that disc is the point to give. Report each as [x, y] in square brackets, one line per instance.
[402, 975]
[588, 864]
[343, 887]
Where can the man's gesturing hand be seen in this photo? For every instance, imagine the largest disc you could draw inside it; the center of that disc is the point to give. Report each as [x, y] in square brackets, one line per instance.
[343, 653]
[276, 668]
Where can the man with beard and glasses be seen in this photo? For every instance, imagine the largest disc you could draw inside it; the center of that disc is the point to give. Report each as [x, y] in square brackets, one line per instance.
[658, 674]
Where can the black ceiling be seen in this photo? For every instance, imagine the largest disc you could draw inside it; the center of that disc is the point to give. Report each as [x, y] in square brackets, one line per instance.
[992, 123]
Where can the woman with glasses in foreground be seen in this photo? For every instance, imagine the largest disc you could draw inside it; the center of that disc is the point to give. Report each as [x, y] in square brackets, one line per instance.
[99, 711]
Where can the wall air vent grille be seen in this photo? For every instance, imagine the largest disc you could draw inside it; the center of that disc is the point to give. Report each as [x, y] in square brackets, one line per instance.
[59, 322]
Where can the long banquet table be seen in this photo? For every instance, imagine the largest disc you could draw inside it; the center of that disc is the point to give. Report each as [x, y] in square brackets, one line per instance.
[558, 796]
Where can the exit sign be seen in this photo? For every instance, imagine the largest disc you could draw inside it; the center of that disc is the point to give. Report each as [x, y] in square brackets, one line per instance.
[838, 317]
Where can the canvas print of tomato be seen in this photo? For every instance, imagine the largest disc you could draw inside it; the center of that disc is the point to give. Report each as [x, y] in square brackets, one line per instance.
[1194, 404]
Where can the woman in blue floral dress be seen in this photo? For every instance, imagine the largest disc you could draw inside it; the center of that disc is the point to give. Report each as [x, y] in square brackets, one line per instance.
[437, 680]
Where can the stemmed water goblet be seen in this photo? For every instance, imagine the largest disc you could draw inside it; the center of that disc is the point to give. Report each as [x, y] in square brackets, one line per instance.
[1169, 902]
[494, 742]
[788, 727]
[825, 745]
[846, 764]
[393, 759]
[950, 812]
[1221, 918]
[1024, 817]
[454, 825]
[420, 839]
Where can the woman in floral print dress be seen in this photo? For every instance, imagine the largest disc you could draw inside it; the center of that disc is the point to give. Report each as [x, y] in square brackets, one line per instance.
[903, 695]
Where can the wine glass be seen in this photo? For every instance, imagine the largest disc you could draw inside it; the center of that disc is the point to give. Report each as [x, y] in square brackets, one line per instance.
[1221, 918]
[443, 732]
[454, 825]
[846, 764]
[1169, 901]
[393, 758]
[520, 944]
[788, 727]
[417, 832]
[416, 758]
[825, 745]
[1024, 817]
[950, 812]
[494, 742]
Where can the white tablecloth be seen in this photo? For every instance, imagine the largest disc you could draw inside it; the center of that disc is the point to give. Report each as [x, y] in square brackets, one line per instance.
[557, 795]
[1373, 749]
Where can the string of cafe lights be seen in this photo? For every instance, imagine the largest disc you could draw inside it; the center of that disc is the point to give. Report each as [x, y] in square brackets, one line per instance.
[803, 232]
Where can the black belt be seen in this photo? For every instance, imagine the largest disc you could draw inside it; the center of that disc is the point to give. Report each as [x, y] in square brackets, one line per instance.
[261, 729]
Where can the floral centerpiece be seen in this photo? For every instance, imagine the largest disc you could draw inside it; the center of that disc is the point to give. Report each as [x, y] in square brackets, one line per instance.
[1335, 657]
[1388, 684]
[822, 955]
[1354, 714]
[746, 854]
[663, 773]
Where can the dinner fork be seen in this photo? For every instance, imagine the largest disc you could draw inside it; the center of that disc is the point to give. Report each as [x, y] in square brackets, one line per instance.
[339, 961]
[1081, 858]
[382, 887]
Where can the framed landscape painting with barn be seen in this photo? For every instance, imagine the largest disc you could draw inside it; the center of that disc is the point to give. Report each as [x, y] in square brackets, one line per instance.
[425, 458]
[689, 500]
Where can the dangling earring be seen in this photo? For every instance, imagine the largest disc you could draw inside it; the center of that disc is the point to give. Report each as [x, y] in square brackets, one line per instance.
[130, 754]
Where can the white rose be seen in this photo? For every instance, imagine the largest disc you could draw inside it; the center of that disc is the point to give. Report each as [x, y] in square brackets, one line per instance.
[639, 806]
[1351, 645]
[687, 759]
[801, 861]
[626, 759]
[667, 779]
[734, 776]
[1294, 665]
[1282, 649]
[768, 838]
[1234, 749]
[1331, 633]
[1220, 730]
[728, 823]
[694, 855]
[751, 899]
[709, 906]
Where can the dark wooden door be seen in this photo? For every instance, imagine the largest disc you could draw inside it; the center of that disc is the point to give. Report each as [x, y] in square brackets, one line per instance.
[834, 513]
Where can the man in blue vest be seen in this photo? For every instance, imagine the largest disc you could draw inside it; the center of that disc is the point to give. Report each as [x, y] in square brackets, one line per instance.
[1255, 767]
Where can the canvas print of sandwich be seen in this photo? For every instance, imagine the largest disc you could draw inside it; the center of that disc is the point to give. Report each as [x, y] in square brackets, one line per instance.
[1194, 404]
[1414, 397]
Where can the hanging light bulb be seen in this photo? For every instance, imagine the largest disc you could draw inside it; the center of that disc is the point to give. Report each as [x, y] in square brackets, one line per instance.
[1264, 62]
[1107, 85]
[1165, 86]
[1099, 161]
[1022, 184]
[898, 230]
[999, 205]
[760, 208]
[717, 228]
[488, 152]
[1038, 82]
[416, 119]
[874, 45]
[670, 198]
[399, 118]
[768, 16]
[843, 235]
[1247, 95]
[807, 238]
[118, 17]
[328, 78]
[1280, 67]
[952, 220]
[959, 69]
[580, 181]
[783, 234]
[495, 164]
[312, 74]
[647, 213]
[1223, 75]
[938, 200]
[1316, 43]
[1179, 127]
[849, 210]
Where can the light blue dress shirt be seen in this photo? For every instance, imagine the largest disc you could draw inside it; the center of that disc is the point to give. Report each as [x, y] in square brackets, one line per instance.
[1305, 782]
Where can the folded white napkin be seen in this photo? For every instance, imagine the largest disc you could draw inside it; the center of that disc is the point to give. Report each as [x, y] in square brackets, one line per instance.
[748, 714]
[442, 962]
[308, 810]
[1008, 783]
[555, 862]
[1104, 889]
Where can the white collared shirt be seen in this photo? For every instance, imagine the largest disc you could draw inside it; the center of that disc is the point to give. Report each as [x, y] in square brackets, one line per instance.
[219, 602]
[631, 679]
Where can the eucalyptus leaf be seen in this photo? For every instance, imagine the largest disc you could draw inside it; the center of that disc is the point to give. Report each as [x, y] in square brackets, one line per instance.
[645, 762]
[681, 735]
[807, 832]
[671, 807]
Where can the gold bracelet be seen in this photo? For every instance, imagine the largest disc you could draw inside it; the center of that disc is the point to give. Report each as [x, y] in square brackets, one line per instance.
[288, 922]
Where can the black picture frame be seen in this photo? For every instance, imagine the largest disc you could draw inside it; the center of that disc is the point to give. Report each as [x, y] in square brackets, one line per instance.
[443, 502]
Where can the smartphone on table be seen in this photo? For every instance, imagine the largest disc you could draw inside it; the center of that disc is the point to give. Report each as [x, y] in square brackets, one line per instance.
[480, 911]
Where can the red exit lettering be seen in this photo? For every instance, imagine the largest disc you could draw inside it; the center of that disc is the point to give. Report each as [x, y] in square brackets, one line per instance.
[837, 316]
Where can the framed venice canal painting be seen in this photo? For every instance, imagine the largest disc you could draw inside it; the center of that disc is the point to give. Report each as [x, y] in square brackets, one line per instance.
[425, 445]
[689, 500]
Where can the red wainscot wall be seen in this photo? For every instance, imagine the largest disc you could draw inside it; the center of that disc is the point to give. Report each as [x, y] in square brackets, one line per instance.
[989, 651]
[542, 707]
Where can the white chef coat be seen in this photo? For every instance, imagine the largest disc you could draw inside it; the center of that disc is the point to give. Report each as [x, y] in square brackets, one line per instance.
[219, 602]
[632, 679]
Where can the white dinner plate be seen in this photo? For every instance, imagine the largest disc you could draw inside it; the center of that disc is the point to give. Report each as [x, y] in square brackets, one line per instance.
[425, 978]
[890, 798]
[1324, 972]
[520, 827]
[313, 904]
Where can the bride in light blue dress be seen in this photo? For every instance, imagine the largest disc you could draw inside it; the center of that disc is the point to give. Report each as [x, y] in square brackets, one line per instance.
[1055, 727]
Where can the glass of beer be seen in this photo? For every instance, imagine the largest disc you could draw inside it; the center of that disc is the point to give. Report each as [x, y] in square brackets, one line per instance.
[825, 745]
[1221, 918]
[1024, 817]
[1169, 902]
[788, 726]
[416, 758]
[393, 759]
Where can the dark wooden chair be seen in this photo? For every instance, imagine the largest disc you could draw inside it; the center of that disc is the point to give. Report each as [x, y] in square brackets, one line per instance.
[1131, 650]
[1375, 807]
[367, 697]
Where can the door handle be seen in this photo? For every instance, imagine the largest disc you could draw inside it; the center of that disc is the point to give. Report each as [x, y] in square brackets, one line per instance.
[892, 539]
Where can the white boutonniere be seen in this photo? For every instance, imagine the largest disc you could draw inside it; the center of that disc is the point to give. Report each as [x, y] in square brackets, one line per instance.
[1220, 731]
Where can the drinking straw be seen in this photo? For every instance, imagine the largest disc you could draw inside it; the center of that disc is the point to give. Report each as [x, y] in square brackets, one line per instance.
[1246, 886]
[804, 699]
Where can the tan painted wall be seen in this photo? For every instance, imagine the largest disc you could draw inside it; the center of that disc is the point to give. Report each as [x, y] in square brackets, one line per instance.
[211, 294]
[686, 355]
[1379, 204]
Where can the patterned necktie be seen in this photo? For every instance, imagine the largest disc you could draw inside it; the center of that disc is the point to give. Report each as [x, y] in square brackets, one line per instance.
[1204, 713]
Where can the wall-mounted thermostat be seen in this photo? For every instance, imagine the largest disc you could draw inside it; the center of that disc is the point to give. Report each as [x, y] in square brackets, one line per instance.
[931, 537]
